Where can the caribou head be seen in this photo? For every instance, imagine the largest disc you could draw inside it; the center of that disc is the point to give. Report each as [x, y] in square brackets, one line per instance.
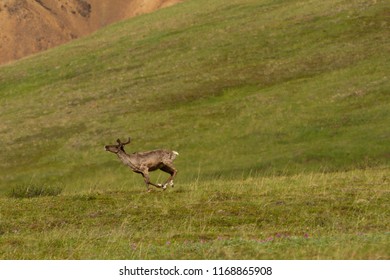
[116, 148]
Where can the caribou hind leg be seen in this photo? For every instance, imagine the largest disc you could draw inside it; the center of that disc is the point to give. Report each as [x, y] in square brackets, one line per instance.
[172, 171]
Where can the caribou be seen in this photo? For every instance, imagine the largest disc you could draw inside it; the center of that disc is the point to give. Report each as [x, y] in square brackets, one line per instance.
[145, 162]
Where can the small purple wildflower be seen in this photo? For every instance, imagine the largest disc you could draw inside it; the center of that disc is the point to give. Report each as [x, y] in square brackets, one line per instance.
[269, 239]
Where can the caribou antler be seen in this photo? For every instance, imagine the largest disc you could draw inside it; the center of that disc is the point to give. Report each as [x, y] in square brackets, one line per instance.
[120, 143]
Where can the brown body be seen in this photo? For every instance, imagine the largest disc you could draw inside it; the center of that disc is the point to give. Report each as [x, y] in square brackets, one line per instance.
[144, 162]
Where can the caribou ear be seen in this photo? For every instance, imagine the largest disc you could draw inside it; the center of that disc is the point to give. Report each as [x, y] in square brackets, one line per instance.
[118, 141]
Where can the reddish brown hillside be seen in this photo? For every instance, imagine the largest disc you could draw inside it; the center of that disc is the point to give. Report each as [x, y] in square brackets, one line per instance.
[30, 26]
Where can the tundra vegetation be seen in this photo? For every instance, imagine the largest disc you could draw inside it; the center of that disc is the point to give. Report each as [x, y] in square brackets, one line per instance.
[280, 112]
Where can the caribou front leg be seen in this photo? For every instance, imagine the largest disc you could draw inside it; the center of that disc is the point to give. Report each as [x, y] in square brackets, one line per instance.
[145, 174]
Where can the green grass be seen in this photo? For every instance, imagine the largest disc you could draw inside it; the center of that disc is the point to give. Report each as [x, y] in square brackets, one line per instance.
[313, 216]
[261, 99]
[29, 191]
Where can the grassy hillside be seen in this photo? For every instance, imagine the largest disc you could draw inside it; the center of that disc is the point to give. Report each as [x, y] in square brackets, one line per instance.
[246, 91]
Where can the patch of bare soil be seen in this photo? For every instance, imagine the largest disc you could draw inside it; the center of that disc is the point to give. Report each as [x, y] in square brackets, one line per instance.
[31, 26]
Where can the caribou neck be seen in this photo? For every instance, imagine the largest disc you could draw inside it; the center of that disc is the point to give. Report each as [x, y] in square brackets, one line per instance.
[126, 159]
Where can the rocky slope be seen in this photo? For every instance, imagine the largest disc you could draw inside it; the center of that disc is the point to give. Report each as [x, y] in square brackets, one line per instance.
[31, 26]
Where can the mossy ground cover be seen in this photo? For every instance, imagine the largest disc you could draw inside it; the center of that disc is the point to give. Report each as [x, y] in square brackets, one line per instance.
[339, 215]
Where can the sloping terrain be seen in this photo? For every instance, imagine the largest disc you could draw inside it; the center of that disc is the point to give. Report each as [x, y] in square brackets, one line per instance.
[31, 26]
[301, 87]
[279, 110]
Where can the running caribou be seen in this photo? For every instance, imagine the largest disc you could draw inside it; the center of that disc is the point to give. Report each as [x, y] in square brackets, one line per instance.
[144, 162]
